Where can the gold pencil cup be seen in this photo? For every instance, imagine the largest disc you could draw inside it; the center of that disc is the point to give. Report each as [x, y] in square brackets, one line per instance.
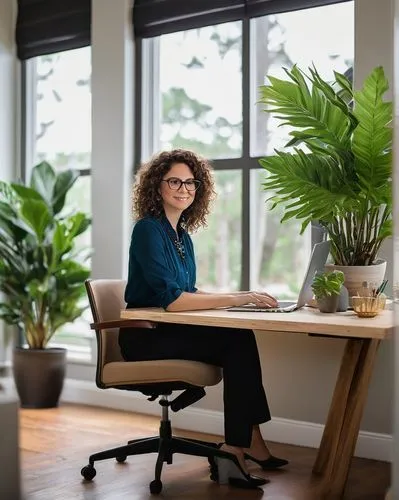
[368, 307]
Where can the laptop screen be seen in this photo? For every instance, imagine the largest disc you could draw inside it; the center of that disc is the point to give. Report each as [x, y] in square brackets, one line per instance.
[316, 264]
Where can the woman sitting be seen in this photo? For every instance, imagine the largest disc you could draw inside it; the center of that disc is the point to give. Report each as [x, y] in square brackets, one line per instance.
[171, 198]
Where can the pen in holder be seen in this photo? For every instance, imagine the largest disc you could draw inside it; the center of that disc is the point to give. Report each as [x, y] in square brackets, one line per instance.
[371, 301]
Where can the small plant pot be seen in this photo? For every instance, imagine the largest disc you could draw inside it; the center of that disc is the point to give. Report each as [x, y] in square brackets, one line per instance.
[328, 304]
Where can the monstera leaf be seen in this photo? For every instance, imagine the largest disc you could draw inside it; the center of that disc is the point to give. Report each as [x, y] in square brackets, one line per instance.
[337, 166]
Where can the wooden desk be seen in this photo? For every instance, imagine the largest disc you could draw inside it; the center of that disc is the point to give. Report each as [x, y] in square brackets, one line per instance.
[330, 470]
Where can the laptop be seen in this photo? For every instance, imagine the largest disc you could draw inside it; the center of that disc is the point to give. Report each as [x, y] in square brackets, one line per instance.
[316, 264]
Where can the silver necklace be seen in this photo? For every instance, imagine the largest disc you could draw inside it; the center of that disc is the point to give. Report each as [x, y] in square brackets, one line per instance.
[176, 240]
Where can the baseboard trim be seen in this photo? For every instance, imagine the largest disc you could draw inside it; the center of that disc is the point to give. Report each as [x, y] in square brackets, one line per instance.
[370, 445]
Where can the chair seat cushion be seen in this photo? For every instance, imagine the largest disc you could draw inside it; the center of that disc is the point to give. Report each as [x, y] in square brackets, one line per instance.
[164, 370]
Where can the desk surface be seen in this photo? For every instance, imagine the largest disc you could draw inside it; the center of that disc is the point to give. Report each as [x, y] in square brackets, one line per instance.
[305, 320]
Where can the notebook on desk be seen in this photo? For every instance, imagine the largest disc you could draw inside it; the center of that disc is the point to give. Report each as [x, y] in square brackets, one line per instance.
[316, 264]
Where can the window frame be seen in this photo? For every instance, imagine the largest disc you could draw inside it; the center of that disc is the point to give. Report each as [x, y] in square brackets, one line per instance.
[147, 128]
[27, 160]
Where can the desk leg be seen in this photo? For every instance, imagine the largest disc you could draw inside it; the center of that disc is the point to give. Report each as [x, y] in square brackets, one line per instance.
[342, 427]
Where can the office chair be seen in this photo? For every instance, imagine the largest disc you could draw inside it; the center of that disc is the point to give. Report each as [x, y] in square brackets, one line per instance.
[155, 379]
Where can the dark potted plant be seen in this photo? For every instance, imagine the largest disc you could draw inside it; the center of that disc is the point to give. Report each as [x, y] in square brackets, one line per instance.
[42, 276]
[337, 167]
[327, 288]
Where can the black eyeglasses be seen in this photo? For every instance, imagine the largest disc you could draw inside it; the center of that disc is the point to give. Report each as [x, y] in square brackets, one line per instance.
[175, 184]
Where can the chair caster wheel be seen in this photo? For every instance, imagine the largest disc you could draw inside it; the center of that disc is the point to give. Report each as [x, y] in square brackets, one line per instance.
[121, 459]
[156, 487]
[88, 472]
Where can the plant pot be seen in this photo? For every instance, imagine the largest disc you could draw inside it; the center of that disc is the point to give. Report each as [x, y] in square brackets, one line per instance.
[356, 275]
[39, 376]
[328, 304]
[343, 300]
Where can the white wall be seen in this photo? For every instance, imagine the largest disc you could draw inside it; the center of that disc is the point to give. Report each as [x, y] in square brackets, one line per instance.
[8, 107]
[112, 135]
[8, 91]
[9, 458]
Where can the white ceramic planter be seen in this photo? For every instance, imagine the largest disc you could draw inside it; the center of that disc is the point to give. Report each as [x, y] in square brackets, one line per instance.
[356, 275]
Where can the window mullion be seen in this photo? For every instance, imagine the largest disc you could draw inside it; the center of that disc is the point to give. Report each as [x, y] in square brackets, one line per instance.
[150, 98]
[245, 216]
[28, 118]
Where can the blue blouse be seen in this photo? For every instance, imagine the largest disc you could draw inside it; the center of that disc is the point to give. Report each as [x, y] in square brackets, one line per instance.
[157, 274]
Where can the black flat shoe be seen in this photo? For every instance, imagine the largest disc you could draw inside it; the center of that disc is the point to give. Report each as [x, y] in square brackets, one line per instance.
[271, 463]
[229, 471]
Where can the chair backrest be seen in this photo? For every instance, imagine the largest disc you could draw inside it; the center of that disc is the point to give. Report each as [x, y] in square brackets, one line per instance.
[106, 298]
[106, 302]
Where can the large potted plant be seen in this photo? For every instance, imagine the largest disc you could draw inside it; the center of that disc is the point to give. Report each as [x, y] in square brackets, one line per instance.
[337, 167]
[42, 277]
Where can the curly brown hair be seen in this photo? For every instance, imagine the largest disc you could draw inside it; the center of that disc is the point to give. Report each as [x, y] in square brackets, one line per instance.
[148, 201]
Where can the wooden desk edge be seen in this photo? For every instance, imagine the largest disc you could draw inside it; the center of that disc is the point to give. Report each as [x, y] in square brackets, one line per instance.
[229, 319]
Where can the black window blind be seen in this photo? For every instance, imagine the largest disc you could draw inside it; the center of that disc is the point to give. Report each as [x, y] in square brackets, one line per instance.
[48, 26]
[157, 17]
[256, 8]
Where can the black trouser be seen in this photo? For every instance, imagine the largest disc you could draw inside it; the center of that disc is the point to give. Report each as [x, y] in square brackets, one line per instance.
[234, 350]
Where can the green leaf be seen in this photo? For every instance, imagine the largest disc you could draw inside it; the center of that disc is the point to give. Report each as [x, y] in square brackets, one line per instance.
[12, 224]
[305, 185]
[26, 193]
[345, 84]
[61, 242]
[69, 273]
[36, 214]
[320, 111]
[64, 181]
[77, 224]
[328, 283]
[372, 138]
[43, 180]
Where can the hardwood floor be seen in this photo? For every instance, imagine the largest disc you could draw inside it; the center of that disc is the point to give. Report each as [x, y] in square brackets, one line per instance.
[56, 443]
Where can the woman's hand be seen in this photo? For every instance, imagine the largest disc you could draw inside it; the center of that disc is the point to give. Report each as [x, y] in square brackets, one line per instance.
[213, 300]
[258, 299]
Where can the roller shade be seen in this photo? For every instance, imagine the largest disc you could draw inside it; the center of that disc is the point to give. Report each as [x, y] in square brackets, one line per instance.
[256, 8]
[48, 26]
[158, 17]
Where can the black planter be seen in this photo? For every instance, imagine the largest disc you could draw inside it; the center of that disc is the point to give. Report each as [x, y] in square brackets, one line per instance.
[39, 376]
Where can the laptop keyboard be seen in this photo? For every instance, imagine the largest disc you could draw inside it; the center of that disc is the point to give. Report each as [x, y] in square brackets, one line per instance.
[283, 306]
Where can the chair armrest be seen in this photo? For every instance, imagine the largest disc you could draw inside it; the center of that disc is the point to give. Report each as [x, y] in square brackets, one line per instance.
[123, 323]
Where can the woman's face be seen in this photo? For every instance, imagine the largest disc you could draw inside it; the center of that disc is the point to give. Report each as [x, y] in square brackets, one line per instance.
[176, 197]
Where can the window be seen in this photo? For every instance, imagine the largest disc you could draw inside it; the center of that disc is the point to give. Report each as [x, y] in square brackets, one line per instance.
[202, 86]
[195, 87]
[306, 38]
[62, 122]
